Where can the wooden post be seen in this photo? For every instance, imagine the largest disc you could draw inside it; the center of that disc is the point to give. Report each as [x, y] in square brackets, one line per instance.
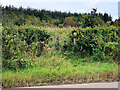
[75, 38]
[56, 39]
[58, 42]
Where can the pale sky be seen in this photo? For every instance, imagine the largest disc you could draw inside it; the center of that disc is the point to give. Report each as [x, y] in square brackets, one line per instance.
[79, 6]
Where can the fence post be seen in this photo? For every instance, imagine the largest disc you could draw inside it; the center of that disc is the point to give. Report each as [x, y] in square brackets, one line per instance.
[58, 42]
[75, 38]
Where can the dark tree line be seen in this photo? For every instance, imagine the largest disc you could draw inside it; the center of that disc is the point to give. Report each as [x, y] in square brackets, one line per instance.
[20, 16]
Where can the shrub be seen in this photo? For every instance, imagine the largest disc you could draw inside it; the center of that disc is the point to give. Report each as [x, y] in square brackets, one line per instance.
[101, 42]
[69, 21]
[21, 40]
[60, 25]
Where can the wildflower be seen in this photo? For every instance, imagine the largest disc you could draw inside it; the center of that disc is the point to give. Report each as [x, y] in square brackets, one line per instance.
[22, 59]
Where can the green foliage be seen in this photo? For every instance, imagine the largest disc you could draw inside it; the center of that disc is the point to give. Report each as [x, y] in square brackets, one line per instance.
[56, 22]
[60, 73]
[101, 42]
[91, 21]
[117, 23]
[17, 64]
[21, 16]
[23, 47]
[23, 39]
[60, 25]
[69, 21]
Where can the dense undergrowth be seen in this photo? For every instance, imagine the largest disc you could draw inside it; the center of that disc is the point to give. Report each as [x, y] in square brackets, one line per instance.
[27, 61]
[101, 42]
[60, 69]
[71, 64]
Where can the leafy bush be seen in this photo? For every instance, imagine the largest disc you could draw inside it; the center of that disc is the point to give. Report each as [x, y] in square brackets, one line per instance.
[68, 21]
[21, 40]
[60, 25]
[101, 42]
[17, 64]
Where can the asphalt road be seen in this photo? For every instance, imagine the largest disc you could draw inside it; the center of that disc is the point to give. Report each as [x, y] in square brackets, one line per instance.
[89, 85]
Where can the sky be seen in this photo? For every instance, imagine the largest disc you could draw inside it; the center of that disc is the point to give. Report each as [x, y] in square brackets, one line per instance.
[79, 6]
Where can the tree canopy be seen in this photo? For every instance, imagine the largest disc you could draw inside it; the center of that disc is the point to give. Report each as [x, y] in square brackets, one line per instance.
[20, 16]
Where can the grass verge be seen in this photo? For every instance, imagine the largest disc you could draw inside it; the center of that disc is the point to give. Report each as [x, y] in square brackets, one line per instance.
[58, 70]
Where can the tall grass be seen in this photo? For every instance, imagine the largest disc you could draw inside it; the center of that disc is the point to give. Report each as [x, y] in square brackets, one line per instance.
[54, 68]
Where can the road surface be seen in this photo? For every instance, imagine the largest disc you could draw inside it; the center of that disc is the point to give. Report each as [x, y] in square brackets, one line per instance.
[89, 85]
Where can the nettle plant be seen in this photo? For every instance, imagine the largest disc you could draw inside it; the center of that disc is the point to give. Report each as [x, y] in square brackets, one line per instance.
[100, 42]
[22, 41]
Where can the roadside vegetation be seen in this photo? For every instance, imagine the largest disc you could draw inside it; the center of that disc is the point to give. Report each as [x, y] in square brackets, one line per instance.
[27, 61]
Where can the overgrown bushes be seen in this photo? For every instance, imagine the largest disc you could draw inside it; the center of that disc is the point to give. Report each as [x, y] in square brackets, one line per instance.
[100, 42]
[20, 41]
[21, 44]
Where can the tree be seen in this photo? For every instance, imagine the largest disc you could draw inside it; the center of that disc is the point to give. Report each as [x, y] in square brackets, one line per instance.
[107, 18]
[117, 22]
[69, 21]
[95, 10]
[56, 22]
